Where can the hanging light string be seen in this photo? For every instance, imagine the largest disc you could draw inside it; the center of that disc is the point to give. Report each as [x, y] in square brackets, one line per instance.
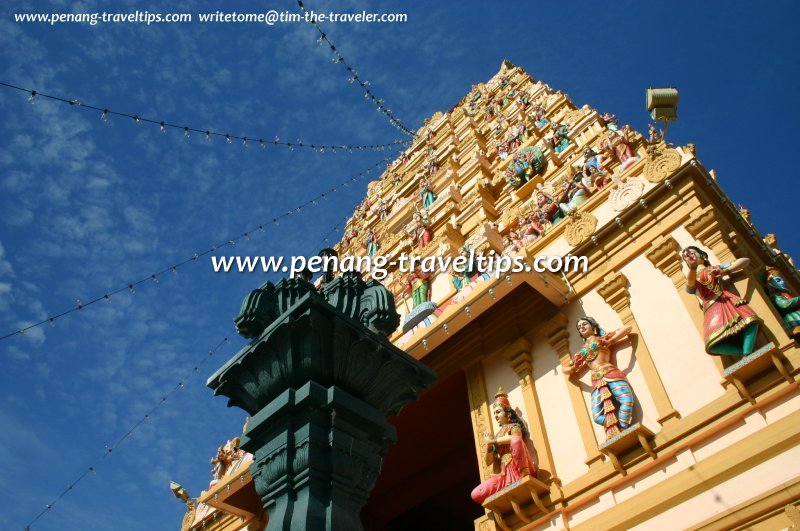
[109, 448]
[354, 77]
[106, 113]
[131, 286]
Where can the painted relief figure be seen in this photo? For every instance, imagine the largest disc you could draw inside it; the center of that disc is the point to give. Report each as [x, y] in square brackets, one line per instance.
[612, 397]
[427, 197]
[729, 325]
[371, 243]
[507, 449]
[787, 305]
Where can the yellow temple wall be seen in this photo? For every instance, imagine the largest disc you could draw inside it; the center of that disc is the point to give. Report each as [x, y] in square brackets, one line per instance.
[569, 455]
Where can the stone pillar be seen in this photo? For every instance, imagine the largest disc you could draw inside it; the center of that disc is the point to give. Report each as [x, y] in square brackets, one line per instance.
[480, 414]
[555, 331]
[319, 381]
[519, 358]
[615, 292]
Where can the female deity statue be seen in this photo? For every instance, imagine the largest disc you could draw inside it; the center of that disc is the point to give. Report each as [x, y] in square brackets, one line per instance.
[371, 242]
[540, 117]
[506, 450]
[418, 283]
[421, 230]
[788, 306]
[426, 193]
[559, 141]
[729, 325]
[611, 121]
[617, 143]
[612, 397]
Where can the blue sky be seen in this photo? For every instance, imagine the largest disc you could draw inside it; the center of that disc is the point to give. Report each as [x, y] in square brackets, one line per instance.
[86, 206]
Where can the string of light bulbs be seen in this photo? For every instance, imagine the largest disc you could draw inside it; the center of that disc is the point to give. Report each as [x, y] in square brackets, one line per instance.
[154, 277]
[245, 140]
[109, 448]
[354, 77]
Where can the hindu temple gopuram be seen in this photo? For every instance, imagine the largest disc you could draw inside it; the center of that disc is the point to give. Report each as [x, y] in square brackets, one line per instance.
[655, 389]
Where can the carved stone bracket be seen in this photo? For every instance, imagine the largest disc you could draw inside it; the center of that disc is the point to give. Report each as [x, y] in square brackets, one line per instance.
[664, 254]
[579, 227]
[662, 161]
[705, 227]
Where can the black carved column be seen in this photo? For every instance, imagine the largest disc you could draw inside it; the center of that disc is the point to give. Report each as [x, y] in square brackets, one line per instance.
[319, 381]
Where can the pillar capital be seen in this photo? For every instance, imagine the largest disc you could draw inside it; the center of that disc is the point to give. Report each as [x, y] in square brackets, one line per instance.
[319, 380]
[555, 333]
[615, 292]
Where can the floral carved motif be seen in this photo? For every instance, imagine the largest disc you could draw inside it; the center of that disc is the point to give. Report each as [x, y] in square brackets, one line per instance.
[626, 194]
[661, 162]
[579, 227]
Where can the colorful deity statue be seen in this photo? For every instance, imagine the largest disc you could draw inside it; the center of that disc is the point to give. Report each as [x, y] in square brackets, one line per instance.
[547, 208]
[371, 242]
[510, 245]
[529, 228]
[383, 209]
[574, 194]
[489, 112]
[729, 325]
[507, 451]
[594, 173]
[611, 121]
[559, 140]
[654, 135]
[502, 151]
[540, 117]
[426, 194]
[460, 279]
[526, 163]
[787, 305]
[418, 283]
[519, 134]
[618, 144]
[226, 456]
[612, 397]
[523, 101]
[422, 229]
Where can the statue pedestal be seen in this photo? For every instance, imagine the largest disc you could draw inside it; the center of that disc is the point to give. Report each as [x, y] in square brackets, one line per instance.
[751, 366]
[514, 497]
[636, 435]
[418, 314]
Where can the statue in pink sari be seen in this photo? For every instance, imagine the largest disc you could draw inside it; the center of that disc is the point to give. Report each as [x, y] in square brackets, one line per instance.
[506, 450]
